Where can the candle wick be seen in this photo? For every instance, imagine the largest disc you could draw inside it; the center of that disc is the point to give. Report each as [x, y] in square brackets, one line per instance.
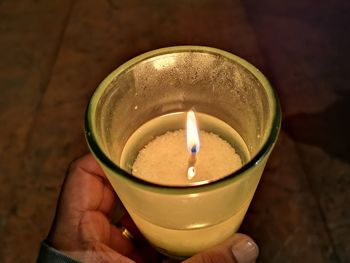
[191, 170]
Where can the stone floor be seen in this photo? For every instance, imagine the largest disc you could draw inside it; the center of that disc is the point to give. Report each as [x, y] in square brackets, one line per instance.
[54, 53]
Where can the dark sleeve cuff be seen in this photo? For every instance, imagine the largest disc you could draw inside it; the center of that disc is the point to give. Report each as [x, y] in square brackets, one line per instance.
[48, 254]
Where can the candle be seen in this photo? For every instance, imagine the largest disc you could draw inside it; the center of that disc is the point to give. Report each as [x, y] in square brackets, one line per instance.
[202, 203]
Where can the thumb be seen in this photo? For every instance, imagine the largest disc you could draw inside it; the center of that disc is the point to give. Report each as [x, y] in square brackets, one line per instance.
[238, 249]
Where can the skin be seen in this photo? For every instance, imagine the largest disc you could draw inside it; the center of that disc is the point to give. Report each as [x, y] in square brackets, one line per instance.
[82, 226]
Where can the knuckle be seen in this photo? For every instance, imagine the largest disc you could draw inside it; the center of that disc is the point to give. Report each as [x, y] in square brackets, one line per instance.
[74, 166]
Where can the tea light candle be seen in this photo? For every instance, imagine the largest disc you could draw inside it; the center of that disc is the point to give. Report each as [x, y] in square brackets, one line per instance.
[166, 160]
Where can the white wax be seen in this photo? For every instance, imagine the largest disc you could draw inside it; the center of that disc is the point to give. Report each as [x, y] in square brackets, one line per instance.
[164, 160]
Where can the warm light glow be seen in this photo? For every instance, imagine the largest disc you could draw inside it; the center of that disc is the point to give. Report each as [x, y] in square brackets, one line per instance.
[192, 133]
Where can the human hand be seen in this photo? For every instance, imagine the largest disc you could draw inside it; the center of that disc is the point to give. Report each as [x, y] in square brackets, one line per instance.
[82, 227]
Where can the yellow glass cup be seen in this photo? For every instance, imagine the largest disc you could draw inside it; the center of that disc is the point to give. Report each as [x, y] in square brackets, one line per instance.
[180, 221]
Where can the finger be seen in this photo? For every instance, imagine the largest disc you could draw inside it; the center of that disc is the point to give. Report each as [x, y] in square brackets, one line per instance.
[138, 240]
[87, 188]
[89, 164]
[129, 224]
[238, 249]
[123, 245]
[90, 167]
[109, 200]
[95, 228]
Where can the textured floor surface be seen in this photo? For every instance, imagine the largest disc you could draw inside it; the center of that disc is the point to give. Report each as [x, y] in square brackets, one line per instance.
[54, 53]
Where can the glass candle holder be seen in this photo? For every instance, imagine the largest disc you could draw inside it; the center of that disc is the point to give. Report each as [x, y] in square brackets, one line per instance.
[181, 220]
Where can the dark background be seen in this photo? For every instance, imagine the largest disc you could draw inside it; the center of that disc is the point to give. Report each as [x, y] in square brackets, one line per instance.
[54, 53]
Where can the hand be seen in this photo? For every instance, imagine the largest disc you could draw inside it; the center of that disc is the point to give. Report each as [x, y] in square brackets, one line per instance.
[82, 227]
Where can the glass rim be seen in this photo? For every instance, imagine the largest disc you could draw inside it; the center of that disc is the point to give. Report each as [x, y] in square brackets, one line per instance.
[263, 150]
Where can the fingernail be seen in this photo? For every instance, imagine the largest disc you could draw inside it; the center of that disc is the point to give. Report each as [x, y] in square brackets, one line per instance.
[245, 251]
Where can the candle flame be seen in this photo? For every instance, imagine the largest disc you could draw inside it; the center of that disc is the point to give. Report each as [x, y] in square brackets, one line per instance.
[193, 144]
